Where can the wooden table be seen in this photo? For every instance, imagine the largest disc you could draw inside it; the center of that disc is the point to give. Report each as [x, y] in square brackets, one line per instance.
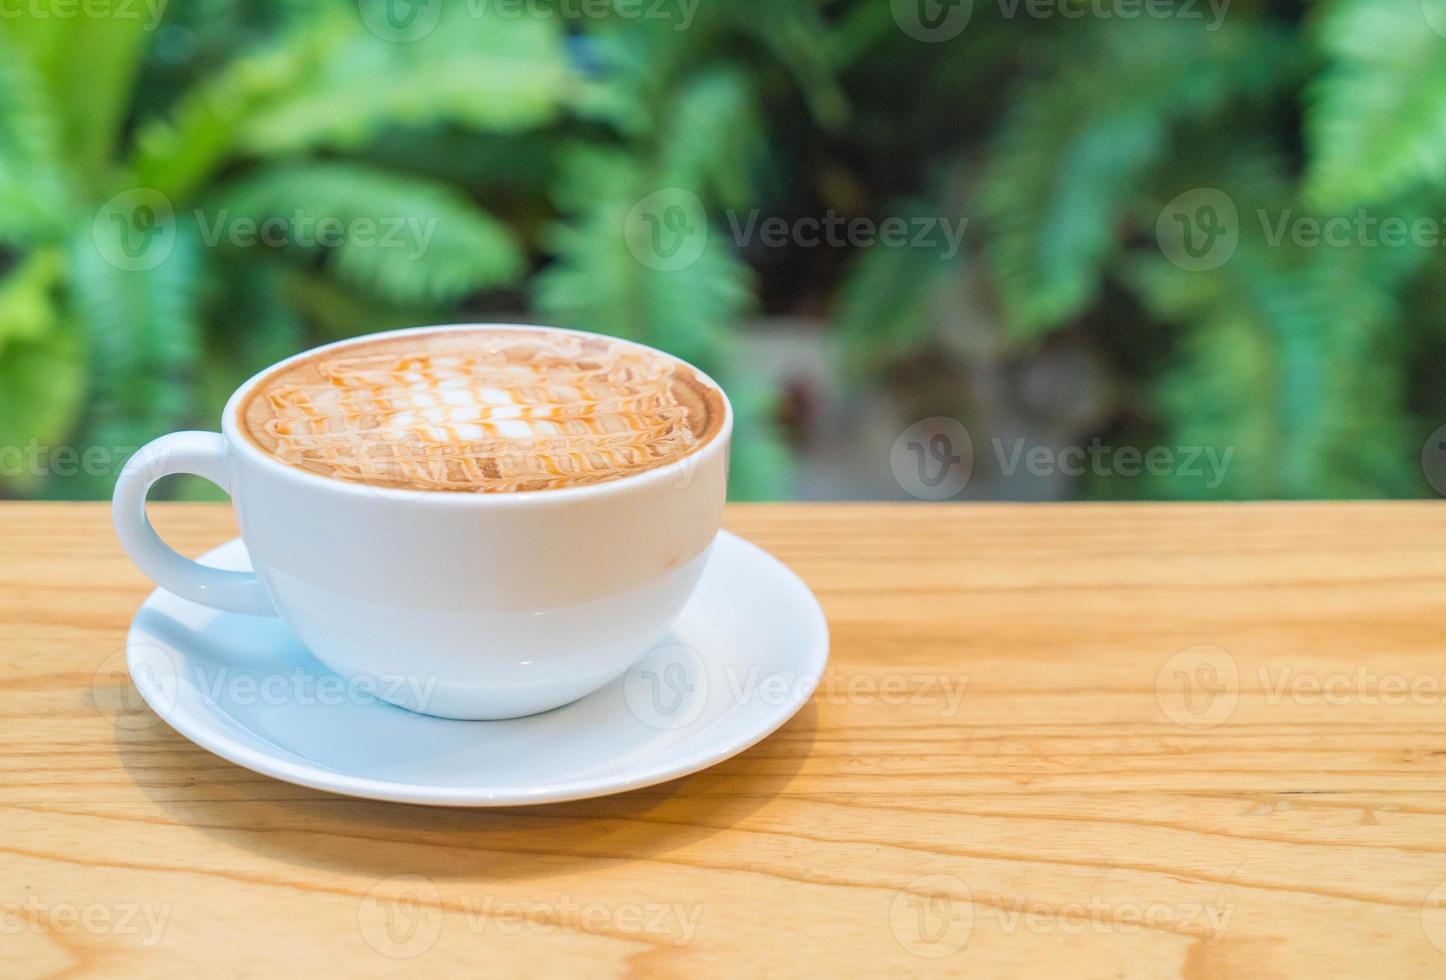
[1198, 741]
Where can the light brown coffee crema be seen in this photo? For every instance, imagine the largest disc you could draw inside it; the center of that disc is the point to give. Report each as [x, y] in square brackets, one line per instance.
[482, 411]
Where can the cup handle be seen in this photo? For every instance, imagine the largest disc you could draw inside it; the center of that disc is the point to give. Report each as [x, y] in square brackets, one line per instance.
[201, 454]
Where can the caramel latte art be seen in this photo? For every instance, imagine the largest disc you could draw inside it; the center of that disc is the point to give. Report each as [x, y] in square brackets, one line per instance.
[482, 410]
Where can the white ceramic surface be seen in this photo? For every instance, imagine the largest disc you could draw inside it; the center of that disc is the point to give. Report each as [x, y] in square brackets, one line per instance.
[745, 653]
[506, 603]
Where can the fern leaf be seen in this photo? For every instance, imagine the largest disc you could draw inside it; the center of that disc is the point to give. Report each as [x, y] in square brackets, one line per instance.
[42, 389]
[88, 64]
[1376, 122]
[252, 323]
[760, 464]
[713, 137]
[475, 68]
[177, 154]
[597, 281]
[34, 200]
[29, 304]
[42, 377]
[885, 305]
[799, 37]
[1077, 145]
[629, 69]
[141, 330]
[1291, 363]
[335, 311]
[862, 28]
[403, 239]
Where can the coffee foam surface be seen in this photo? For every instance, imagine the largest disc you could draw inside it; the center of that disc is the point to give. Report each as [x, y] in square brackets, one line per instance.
[488, 410]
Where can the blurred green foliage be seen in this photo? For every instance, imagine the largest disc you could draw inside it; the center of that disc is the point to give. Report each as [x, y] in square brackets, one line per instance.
[1312, 358]
[524, 137]
[516, 140]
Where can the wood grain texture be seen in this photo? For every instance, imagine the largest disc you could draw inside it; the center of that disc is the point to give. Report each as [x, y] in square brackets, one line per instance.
[1197, 741]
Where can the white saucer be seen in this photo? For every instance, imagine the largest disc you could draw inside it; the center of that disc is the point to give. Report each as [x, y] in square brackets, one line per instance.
[745, 654]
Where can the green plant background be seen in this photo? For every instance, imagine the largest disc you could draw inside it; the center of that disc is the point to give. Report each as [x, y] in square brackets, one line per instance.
[529, 136]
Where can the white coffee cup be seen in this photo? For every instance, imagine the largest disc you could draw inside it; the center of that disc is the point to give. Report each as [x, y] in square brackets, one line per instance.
[491, 605]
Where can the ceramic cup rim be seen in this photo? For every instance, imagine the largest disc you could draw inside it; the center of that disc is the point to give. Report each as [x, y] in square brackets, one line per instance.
[238, 442]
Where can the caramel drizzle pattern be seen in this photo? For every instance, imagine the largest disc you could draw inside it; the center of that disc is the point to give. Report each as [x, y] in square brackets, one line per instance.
[390, 419]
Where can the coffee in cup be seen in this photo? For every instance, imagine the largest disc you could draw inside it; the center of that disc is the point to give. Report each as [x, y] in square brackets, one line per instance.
[482, 411]
[509, 517]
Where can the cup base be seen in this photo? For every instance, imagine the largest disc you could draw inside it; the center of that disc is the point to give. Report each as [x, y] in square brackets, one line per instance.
[456, 703]
[479, 664]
